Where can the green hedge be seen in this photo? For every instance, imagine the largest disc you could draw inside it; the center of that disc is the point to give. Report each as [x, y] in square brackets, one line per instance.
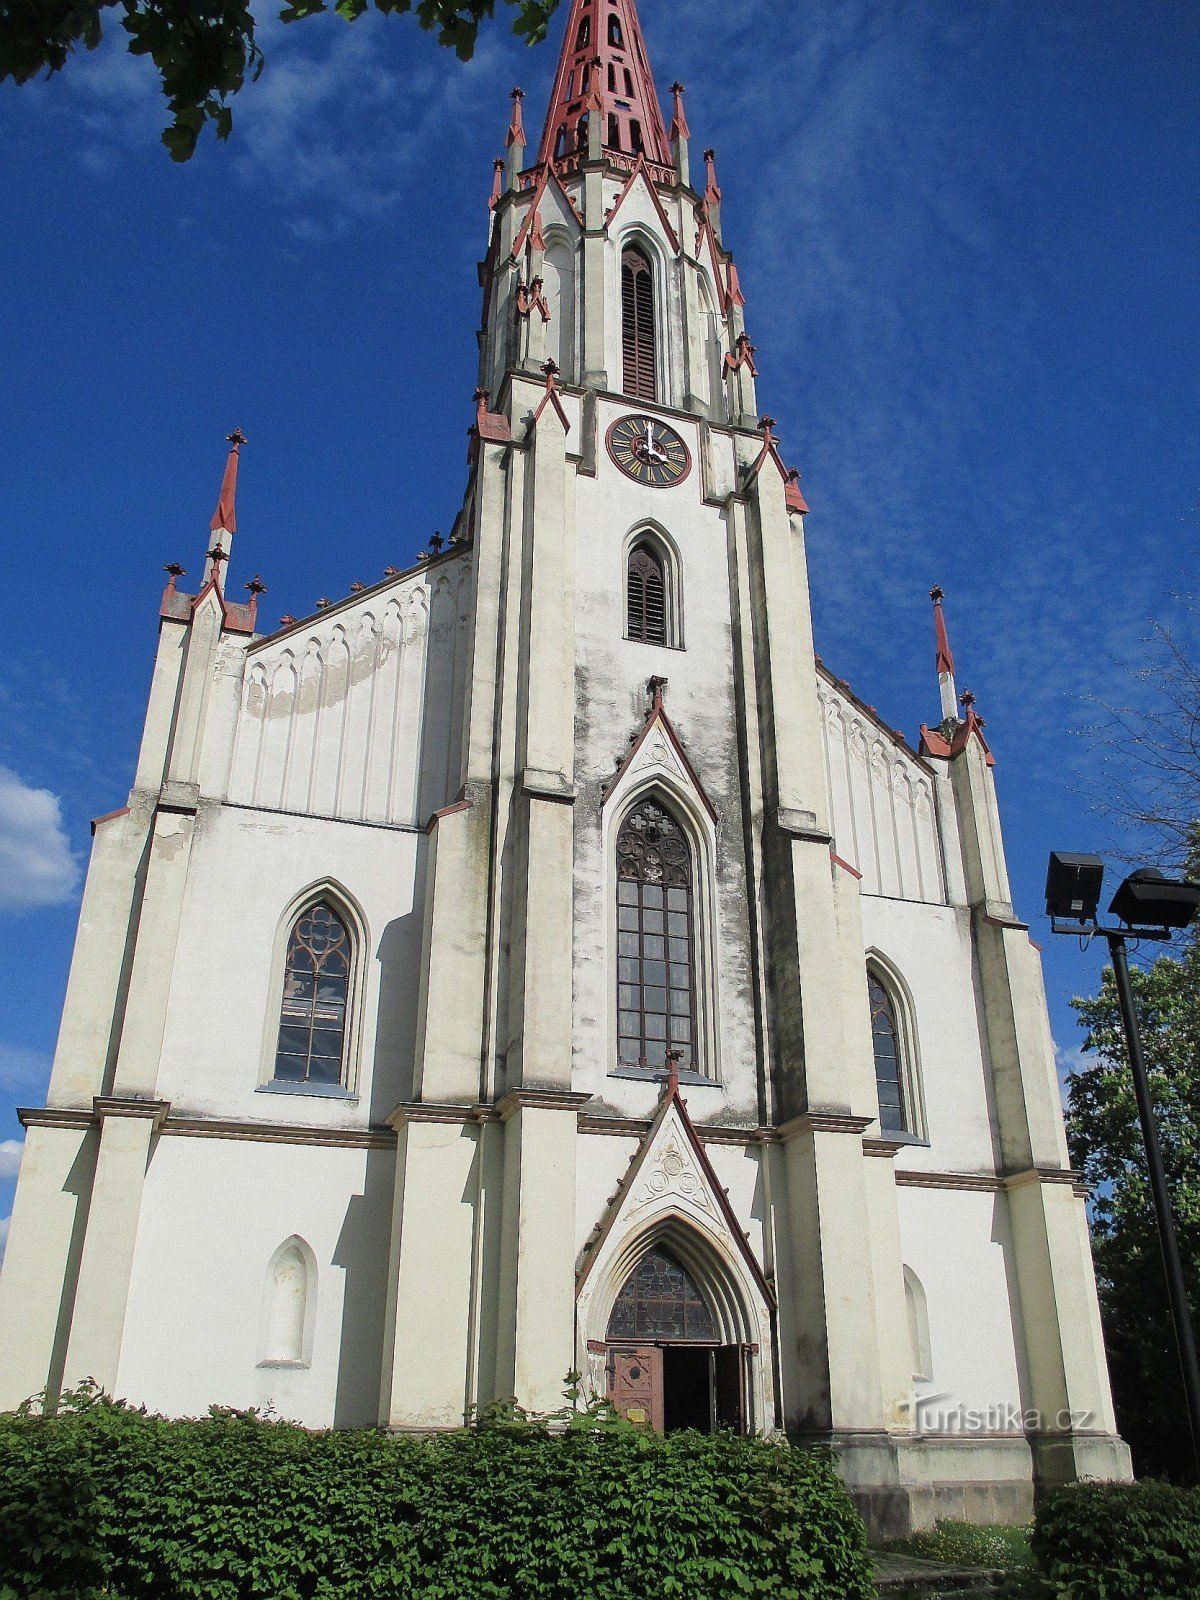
[1120, 1541]
[101, 1500]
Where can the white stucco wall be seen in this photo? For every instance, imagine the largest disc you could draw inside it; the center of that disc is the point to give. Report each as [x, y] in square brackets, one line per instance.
[958, 1244]
[214, 1213]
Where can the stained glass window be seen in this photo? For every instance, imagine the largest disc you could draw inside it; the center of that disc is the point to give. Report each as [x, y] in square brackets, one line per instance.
[316, 987]
[889, 1073]
[656, 1006]
[660, 1301]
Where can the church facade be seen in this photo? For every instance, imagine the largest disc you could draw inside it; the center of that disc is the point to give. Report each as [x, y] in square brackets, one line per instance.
[538, 962]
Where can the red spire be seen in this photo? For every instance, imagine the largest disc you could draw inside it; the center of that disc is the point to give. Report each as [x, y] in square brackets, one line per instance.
[225, 516]
[516, 128]
[945, 660]
[679, 127]
[712, 192]
[604, 71]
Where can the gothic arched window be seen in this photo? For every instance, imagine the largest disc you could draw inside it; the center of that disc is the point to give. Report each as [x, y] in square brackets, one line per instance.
[614, 131]
[656, 936]
[660, 1300]
[583, 37]
[638, 340]
[646, 596]
[615, 37]
[890, 1067]
[316, 998]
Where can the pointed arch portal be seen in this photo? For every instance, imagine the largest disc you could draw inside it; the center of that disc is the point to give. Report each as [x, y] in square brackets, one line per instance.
[674, 1312]
[667, 1363]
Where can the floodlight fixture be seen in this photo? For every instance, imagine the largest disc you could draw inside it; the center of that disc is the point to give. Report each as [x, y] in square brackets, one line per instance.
[1073, 886]
[1149, 899]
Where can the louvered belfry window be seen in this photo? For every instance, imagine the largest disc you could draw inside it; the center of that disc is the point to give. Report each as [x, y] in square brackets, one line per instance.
[646, 597]
[638, 343]
[656, 963]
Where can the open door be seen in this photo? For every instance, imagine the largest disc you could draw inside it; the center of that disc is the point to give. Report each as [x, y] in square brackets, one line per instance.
[635, 1383]
[730, 1374]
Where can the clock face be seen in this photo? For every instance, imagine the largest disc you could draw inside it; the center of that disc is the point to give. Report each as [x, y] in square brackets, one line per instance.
[648, 451]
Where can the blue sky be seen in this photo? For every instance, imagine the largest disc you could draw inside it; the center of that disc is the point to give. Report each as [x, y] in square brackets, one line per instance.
[967, 236]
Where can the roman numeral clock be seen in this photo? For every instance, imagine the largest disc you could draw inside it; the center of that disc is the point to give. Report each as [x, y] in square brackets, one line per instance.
[648, 451]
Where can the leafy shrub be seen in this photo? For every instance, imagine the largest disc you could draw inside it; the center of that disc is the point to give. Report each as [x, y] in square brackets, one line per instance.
[103, 1500]
[1120, 1541]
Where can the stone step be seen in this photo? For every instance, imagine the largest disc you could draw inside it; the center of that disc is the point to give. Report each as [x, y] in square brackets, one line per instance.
[908, 1576]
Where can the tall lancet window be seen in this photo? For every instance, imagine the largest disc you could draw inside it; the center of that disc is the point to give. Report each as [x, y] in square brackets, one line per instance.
[646, 596]
[656, 962]
[316, 994]
[889, 1058]
[638, 340]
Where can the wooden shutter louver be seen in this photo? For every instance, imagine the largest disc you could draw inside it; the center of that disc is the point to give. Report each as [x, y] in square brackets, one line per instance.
[647, 598]
[638, 344]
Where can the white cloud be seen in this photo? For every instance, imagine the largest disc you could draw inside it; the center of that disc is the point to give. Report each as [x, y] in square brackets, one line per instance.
[4, 1222]
[20, 1066]
[37, 866]
[10, 1157]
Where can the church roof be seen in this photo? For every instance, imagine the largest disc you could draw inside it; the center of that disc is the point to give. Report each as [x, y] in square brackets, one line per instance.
[604, 71]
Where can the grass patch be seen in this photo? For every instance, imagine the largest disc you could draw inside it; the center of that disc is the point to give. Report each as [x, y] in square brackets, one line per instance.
[962, 1544]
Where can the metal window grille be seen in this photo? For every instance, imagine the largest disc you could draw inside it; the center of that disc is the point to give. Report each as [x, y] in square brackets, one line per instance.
[656, 963]
[885, 1038]
[646, 598]
[638, 338]
[316, 991]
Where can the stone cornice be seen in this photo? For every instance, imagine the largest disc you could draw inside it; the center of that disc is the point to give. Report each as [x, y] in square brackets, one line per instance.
[130, 1106]
[531, 1098]
[823, 1122]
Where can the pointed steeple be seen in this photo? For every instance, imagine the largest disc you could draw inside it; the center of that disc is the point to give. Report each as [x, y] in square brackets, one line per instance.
[604, 72]
[224, 520]
[945, 660]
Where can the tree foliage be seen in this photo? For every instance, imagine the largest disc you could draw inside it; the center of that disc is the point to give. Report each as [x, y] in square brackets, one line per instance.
[1105, 1140]
[205, 50]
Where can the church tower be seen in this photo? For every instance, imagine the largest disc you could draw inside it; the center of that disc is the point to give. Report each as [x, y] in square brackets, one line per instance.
[539, 962]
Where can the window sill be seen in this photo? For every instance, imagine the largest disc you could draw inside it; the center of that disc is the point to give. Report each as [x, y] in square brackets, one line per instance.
[651, 645]
[317, 1091]
[657, 1075]
[907, 1139]
[288, 1366]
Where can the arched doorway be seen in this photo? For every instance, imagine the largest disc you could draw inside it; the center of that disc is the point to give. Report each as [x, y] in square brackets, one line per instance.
[666, 1365]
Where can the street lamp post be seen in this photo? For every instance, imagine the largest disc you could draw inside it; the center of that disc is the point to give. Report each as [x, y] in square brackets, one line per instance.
[1151, 907]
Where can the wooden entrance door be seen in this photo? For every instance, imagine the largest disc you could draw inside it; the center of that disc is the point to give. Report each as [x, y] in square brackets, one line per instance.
[635, 1383]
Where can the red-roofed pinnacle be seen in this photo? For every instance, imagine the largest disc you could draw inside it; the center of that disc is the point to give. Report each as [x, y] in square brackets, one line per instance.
[945, 660]
[679, 127]
[225, 516]
[516, 128]
[604, 71]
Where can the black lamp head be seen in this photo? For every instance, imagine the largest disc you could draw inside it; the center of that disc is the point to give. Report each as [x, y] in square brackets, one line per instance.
[1147, 899]
[1073, 886]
